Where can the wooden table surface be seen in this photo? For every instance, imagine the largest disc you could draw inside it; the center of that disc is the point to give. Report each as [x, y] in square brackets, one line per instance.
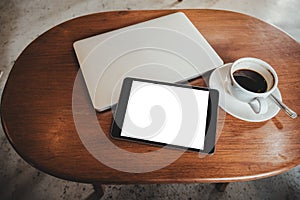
[37, 105]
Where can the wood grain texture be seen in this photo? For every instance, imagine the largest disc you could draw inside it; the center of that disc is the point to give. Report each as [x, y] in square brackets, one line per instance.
[37, 104]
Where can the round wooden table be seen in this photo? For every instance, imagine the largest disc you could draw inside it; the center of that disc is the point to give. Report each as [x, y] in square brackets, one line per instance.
[37, 104]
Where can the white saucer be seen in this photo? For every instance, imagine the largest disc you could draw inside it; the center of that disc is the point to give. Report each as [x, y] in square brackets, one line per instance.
[218, 80]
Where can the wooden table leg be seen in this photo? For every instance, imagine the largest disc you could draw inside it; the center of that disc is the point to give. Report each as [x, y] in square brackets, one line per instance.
[221, 187]
[99, 190]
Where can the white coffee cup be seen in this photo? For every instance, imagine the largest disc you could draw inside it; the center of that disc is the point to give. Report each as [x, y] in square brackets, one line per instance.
[252, 81]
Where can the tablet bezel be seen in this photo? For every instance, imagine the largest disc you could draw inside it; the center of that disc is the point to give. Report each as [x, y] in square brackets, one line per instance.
[211, 119]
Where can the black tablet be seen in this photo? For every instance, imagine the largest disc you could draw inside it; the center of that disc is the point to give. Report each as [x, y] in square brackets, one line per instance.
[167, 114]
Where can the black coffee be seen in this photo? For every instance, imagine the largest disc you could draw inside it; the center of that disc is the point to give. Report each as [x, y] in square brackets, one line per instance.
[250, 80]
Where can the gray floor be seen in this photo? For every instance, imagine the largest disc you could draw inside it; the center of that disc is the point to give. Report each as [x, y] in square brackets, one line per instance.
[22, 21]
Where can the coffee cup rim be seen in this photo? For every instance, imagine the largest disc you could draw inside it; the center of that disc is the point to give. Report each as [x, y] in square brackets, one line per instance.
[265, 64]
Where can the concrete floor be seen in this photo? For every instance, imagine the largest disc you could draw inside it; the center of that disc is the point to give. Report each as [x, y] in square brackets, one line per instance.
[22, 21]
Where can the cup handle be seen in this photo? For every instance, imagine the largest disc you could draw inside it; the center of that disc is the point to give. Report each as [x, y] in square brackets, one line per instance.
[259, 105]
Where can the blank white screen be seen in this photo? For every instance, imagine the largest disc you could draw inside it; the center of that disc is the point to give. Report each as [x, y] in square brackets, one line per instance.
[144, 97]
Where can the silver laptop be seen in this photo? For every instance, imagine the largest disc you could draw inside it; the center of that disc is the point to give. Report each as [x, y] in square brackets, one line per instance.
[168, 49]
